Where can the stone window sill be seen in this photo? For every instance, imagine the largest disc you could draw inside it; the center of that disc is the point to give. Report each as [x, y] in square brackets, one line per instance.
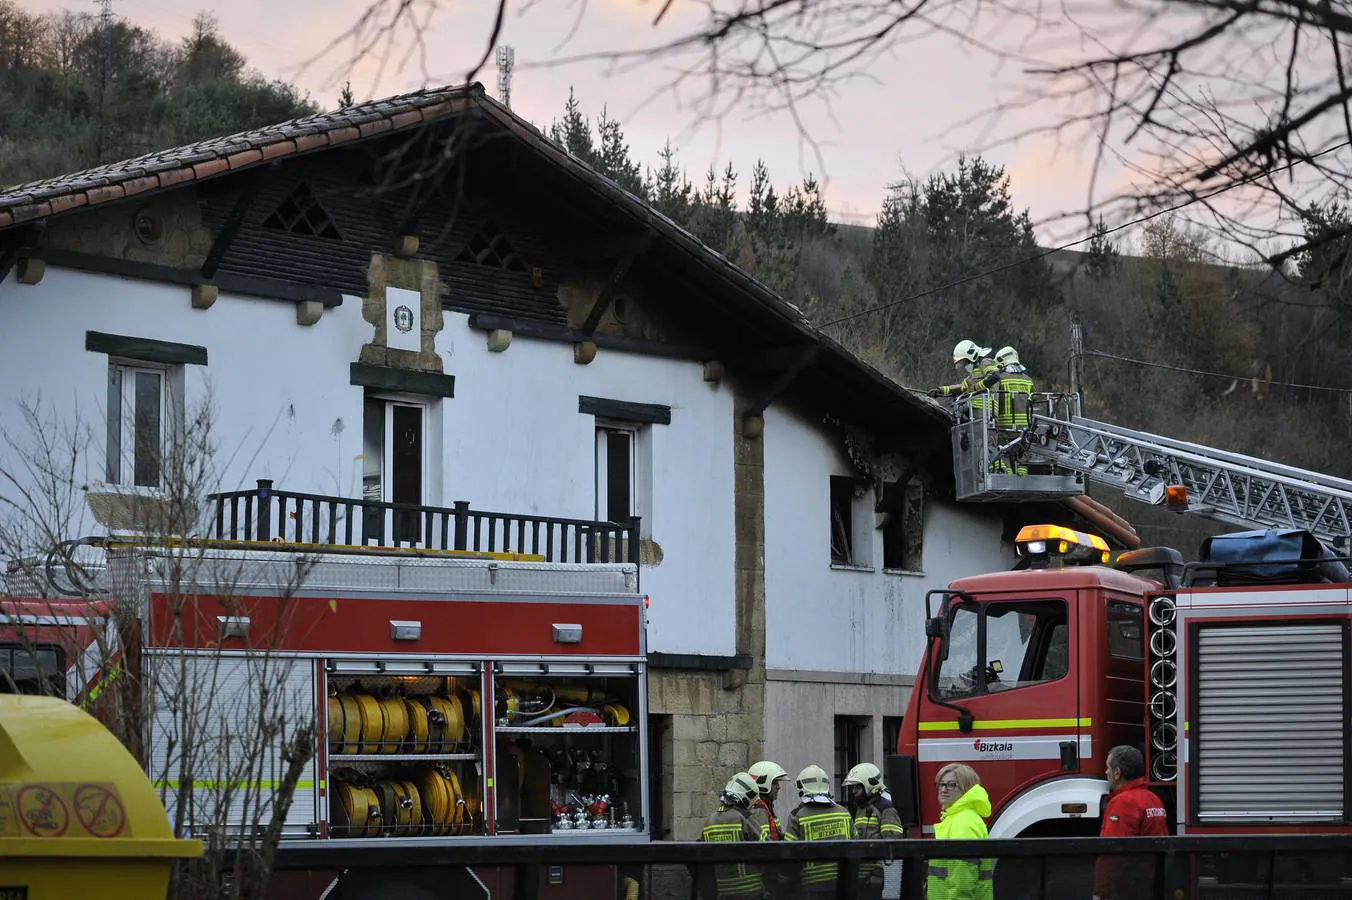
[840, 567]
[905, 573]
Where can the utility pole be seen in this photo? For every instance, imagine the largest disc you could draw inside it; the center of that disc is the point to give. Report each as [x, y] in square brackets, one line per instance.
[506, 60]
[1076, 356]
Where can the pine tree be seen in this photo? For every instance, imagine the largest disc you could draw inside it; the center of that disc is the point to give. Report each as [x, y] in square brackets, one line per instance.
[574, 133]
[613, 158]
[669, 189]
[345, 98]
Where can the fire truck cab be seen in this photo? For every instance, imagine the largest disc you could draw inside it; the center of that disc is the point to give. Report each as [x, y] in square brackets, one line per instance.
[1029, 677]
[1230, 674]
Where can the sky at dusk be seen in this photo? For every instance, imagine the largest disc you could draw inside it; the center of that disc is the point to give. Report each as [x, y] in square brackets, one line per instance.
[904, 114]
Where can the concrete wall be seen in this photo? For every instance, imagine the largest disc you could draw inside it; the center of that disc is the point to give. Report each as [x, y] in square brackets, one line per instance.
[861, 619]
[844, 641]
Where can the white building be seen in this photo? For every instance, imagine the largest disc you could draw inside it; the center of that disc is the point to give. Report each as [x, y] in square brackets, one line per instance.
[367, 315]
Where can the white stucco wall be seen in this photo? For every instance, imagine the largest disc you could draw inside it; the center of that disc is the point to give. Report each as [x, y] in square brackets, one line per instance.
[849, 620]
[512, 439]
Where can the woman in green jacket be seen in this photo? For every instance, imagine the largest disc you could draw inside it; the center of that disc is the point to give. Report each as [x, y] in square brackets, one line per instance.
[965, 806]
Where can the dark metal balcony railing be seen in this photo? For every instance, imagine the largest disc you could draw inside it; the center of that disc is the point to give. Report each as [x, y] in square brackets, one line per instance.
[265, 514]
[1207, 867]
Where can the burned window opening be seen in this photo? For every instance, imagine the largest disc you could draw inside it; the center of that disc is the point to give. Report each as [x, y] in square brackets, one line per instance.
[301, 213]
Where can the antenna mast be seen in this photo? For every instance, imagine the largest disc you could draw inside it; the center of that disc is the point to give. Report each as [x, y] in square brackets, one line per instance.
[506, 60]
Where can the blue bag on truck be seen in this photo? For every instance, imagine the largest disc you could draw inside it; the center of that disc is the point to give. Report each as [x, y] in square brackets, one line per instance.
[1275, 556]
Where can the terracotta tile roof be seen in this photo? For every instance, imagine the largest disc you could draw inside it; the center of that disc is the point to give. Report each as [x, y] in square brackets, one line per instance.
[216, 156]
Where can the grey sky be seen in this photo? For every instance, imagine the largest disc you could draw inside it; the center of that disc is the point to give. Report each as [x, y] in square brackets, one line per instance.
[902, 115]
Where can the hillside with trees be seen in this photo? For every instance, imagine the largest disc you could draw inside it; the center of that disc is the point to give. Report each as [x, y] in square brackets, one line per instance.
[1176, 339]
[77, 90]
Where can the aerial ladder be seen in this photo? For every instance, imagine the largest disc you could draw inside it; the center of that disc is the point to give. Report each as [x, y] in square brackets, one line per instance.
[1063, 451]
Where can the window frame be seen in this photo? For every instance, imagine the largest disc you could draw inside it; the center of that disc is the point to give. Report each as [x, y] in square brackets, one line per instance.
[859, 533]
[857, 740]
[981, 687]
[119, 460]
[601, 459]
[56, 679]
[387, 400]
[905, 526]
[1138, 612]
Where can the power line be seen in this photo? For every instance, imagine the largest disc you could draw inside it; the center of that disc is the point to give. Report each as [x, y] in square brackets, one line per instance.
[1084, 240]
[1154, 365]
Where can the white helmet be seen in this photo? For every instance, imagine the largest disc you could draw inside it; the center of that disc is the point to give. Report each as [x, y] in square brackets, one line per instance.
[867, 776]
[1006, 356]
[813, 780]
[965, 351]
[741, 790]
[969, 352]
[765, 774]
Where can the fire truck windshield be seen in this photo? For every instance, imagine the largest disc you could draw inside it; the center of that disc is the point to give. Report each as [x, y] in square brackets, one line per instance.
[1026, 642]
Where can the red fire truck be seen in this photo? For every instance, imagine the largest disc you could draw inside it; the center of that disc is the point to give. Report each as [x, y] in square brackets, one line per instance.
[455, 696]
[1231, 674]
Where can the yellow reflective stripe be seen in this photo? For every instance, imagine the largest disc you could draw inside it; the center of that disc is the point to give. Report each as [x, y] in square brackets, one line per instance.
[820, 872]
[893, 829]
[1001, 724]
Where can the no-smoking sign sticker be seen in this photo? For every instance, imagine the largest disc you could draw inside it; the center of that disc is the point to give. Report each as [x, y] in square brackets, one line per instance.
[100, 811]
[42, 811]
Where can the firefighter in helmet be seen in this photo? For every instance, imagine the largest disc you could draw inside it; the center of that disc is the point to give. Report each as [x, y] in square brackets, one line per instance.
[817, 818]
[874, 818]
[1010, 387]
[732, 822]
[767, 776]
[975, 363]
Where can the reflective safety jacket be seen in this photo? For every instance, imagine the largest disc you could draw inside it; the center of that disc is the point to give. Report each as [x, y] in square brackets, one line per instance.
[1132, 810]
[734, 880]
[974, 384]
[1010, 388]
[819, 819]
[963, 879]
[764, 817]
[876, 819]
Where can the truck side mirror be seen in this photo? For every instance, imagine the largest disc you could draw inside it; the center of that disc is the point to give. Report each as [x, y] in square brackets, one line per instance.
[937, 627]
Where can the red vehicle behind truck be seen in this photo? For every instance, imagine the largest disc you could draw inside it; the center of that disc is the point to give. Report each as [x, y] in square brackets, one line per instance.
[1231, 675]
[453, 697]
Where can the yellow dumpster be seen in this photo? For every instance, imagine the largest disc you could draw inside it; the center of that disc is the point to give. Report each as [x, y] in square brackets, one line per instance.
[78, 817]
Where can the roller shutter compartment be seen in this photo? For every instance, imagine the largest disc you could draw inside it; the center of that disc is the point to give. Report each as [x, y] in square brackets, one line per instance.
[1268, 723]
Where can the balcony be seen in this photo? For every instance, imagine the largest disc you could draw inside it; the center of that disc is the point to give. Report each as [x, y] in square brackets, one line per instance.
[269, 514]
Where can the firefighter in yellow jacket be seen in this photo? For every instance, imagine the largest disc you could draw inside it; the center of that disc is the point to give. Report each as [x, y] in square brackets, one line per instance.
[817, 818]
[1010, 389]
[976, 363]
[874, 818]
[767, 775]
[732, 821]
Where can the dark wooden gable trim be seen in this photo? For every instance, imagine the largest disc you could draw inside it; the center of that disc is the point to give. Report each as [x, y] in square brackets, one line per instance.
[624, 410]
[387, 378]
[248, 285]
[145, 349]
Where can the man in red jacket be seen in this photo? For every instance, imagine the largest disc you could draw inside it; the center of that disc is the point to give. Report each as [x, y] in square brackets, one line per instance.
[1132, 810]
